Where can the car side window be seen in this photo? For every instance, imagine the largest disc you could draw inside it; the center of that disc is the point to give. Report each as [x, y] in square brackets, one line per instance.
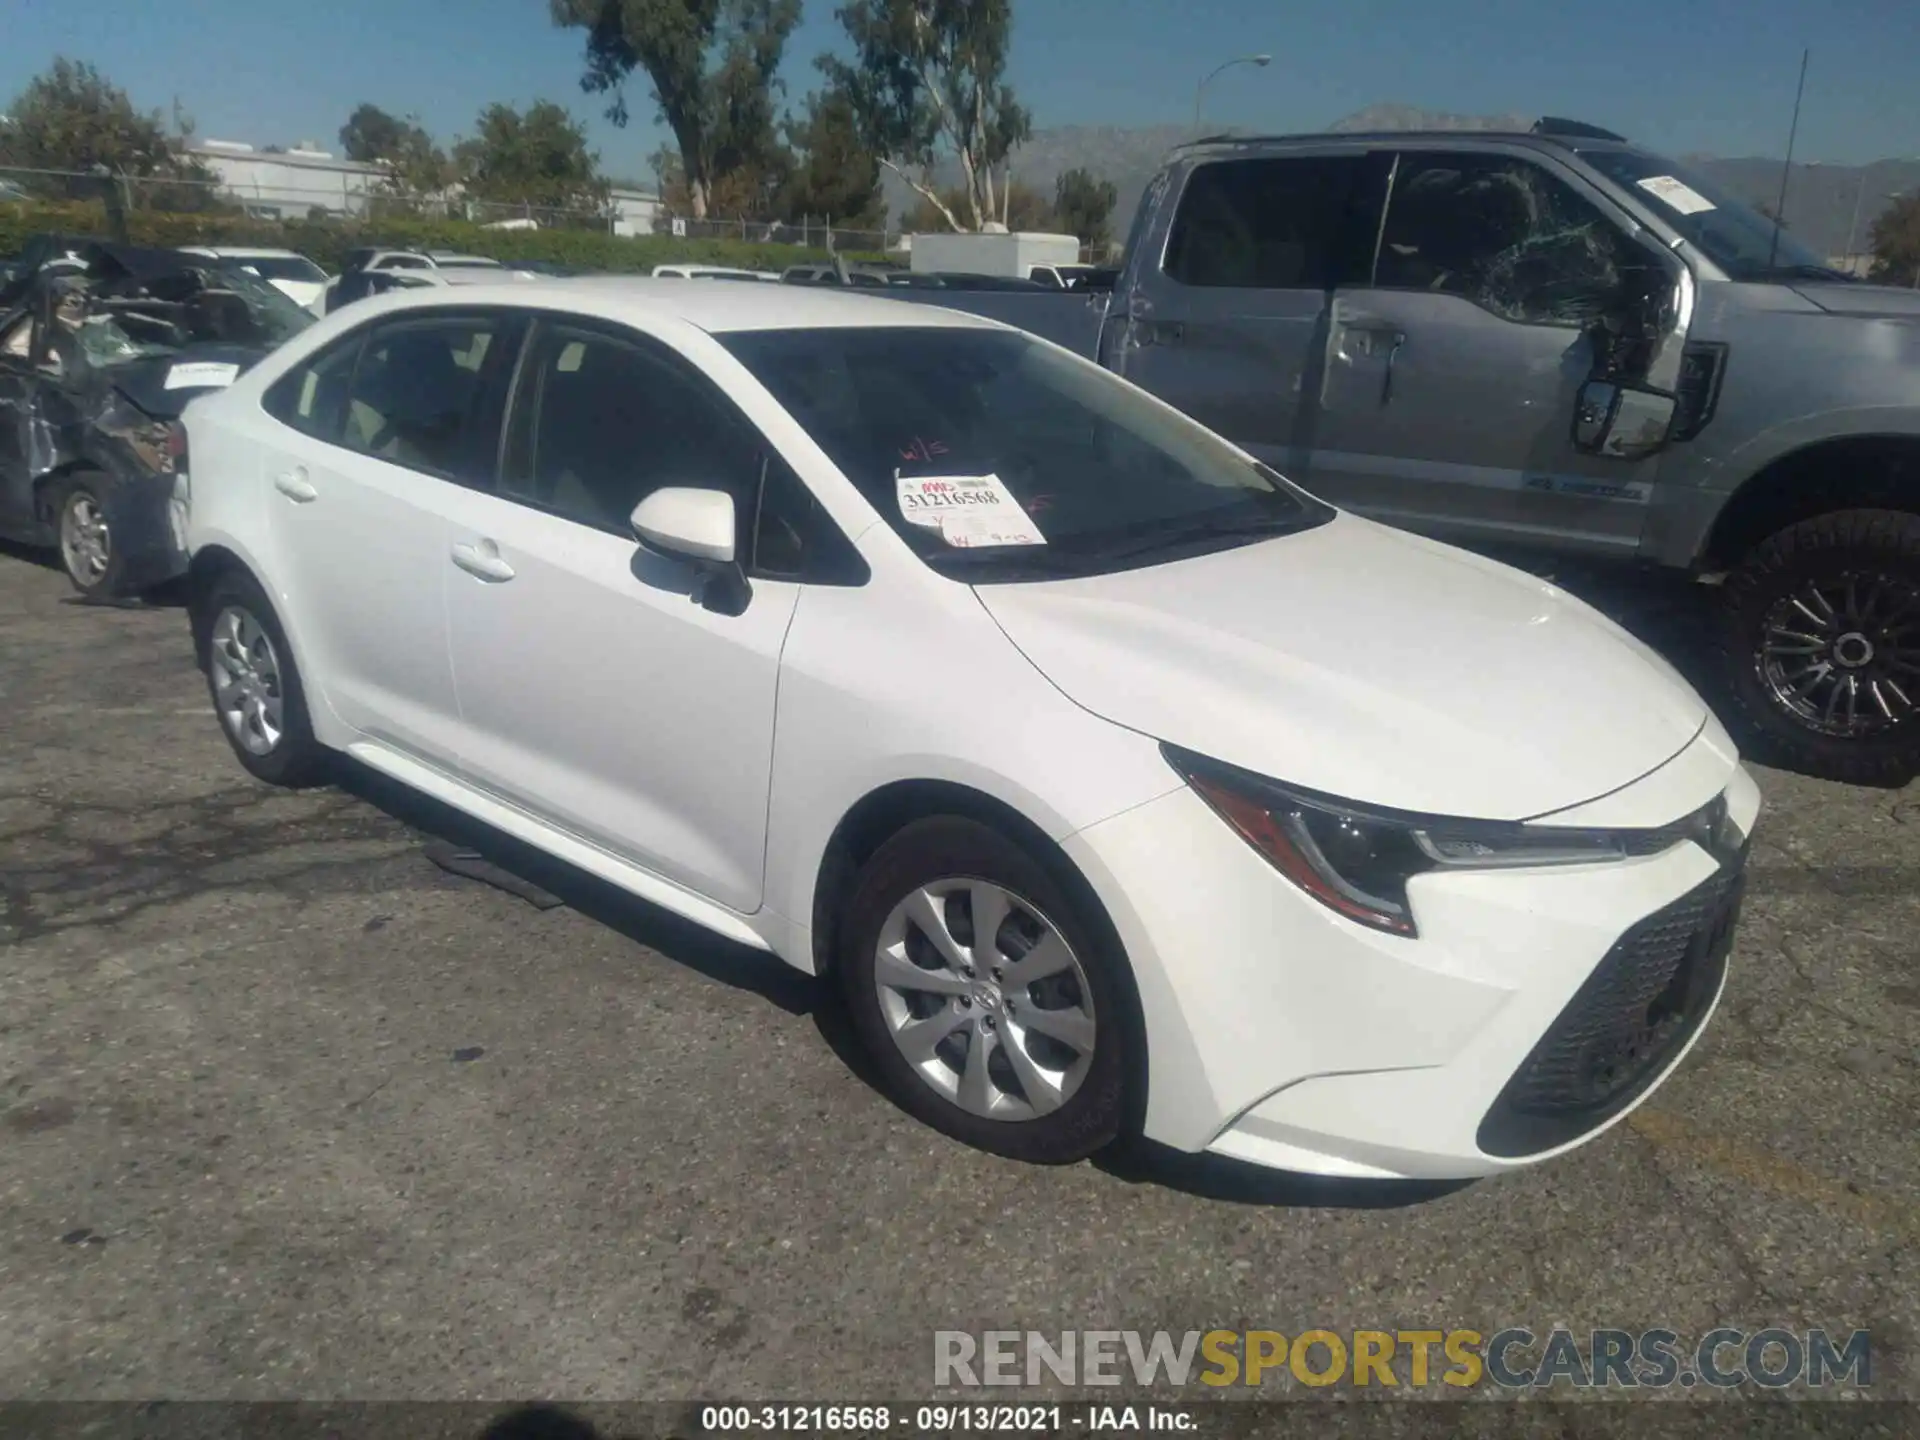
[312, 397]
[1505, 234]
[414, 396]
[1269, 224]
[601, 421]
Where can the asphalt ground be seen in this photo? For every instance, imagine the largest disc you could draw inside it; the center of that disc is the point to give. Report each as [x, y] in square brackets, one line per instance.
[287, 1111]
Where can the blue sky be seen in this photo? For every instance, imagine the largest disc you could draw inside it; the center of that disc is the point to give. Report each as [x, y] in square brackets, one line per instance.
[1710, 76]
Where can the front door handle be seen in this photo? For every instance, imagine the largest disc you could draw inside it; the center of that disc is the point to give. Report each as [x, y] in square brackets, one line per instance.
[484, 561]
[293, 484]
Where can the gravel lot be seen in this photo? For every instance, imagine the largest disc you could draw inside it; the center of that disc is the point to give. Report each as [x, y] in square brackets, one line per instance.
[287, 1111]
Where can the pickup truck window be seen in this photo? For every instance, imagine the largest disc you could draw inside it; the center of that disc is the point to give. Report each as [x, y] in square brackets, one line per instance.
[1108, 477]
[1274, 224]
[1504, 234]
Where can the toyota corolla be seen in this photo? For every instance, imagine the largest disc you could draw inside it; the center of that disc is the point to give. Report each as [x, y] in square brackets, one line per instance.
[1120, 784]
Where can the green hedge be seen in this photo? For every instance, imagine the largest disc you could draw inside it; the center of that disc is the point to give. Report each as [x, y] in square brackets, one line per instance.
[327, 241]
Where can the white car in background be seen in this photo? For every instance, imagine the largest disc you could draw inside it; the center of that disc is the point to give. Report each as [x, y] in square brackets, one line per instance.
[1120, 783]
[705, 272]
[288, 271]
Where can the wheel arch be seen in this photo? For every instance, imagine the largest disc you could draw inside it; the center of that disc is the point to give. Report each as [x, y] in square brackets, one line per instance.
[887, 809]
[1850, 472]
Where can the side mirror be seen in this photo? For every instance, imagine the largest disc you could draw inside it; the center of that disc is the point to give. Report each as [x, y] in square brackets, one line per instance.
[697, 526]
[1619, 421]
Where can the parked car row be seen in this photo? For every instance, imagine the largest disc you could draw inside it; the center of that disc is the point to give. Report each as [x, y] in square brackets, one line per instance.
[1119, 783]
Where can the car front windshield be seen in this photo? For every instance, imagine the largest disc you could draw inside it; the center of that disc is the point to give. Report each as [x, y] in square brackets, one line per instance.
[997, 457]
[273, 316]
[1738, 239]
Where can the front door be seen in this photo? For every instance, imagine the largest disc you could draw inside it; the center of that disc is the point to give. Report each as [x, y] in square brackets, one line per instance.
[1452, 378]
[596, 691]
[1230, 327]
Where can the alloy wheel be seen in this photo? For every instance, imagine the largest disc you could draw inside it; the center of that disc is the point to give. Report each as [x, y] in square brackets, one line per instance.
[1842, 654]
[985, 999]
[246, 681]
[86, 545]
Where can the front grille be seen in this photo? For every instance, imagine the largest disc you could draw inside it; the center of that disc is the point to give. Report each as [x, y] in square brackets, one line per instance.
[1640, 1005]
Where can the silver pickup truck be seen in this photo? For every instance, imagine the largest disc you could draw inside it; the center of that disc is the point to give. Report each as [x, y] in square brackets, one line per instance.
[1559, 341]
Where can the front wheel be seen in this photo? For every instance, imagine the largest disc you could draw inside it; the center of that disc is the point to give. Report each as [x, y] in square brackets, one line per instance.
[989, 1003]
[1821, 642]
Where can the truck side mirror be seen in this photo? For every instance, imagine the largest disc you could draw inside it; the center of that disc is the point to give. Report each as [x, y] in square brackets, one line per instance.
[1621, 421]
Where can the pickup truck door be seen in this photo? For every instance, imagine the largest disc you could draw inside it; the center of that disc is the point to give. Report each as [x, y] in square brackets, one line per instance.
[1453, 372]
[1225, 315]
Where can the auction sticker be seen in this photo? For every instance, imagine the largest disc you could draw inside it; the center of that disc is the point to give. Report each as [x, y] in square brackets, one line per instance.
[196, 374]
[967, 510]
[1677, 193]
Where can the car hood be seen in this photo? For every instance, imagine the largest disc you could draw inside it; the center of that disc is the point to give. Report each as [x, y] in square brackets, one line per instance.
[1885, 301]
[1366, 663]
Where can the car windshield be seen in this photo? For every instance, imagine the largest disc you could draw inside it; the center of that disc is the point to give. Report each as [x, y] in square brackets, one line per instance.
[283, 267]
[224, 304]
[995, 456]
[1740, 240]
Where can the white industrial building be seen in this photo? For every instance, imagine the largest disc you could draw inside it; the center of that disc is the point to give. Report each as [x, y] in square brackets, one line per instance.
[289, 184]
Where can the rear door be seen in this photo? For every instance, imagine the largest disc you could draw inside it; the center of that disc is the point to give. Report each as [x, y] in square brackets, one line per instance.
[1227, 311]
[17, 384]
[376, 434]
[1451, 372]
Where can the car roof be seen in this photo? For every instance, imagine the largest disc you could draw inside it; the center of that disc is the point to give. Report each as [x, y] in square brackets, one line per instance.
[717, 309]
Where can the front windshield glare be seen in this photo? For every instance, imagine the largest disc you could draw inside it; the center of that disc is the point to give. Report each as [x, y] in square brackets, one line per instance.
[1741, 241]
[988, 447]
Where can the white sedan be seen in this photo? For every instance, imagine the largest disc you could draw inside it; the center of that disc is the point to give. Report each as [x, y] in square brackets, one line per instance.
[1119, 783]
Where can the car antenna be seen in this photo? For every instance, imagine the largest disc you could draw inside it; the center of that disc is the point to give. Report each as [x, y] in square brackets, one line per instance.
[1786, 169]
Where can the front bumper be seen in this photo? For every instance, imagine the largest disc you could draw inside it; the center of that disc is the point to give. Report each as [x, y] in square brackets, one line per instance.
[1282, 1034]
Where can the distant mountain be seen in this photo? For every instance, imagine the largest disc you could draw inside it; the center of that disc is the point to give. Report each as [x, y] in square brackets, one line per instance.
[1820, 198]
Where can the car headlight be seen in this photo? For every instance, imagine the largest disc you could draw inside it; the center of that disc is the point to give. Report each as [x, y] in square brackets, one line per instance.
[1357, 859]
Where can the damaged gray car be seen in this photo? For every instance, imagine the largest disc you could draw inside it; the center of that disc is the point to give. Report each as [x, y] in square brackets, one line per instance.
[96, 364]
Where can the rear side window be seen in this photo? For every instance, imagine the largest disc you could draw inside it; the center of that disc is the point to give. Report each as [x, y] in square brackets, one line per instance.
[414, 398]
[1272, 224]
[312, 397]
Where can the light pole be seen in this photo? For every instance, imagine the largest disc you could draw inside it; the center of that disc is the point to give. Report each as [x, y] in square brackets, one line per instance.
[1200, 90]
[1853, 227]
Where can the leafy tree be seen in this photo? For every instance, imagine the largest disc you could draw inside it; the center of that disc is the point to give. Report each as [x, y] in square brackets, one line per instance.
[926, 84]
[834, 175]
[72, 118]
[540, 158]
[1083, 205]
[415, 166]
[713, 64]
[1026, 208]
[1896, 243]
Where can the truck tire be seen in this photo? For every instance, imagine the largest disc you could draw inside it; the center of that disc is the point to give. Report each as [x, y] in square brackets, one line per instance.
[1820, 638]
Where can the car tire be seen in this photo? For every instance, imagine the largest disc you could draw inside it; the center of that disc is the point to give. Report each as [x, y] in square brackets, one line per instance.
[1037, 1068]
[255, 688]
[83, 536]
[1820, 640]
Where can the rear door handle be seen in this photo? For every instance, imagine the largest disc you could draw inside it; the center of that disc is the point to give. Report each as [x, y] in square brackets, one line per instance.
[293, 484]
[483, 560]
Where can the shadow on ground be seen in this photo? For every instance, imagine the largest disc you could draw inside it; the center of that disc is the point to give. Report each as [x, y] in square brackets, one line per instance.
[757, 973]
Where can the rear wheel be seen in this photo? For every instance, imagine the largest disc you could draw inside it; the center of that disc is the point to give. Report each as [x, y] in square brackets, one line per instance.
[992, 1007]
[1821, 639]
[256, 691]
[87, 550]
